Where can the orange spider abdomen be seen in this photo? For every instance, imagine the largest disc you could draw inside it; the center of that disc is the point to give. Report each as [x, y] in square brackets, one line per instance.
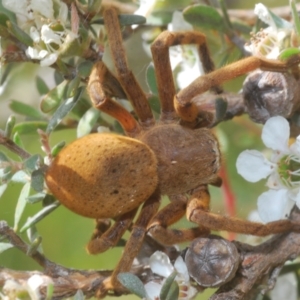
[103, 175]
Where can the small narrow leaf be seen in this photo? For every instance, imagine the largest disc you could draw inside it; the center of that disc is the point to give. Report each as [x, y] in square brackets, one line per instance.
[3, 187]
[167, 287]
[54, 97]
[5, 246]
[41, 85]
[84, 69]
[173, 292]
[63, 110]
[22, 36]
[126, 20]
[151, 79]
[79, 295]
[10, 123]
[279, 22]
[37, 180]
[33, 162]
[36, 198]
[56, 149]
[50, 291]
[39, 216]
[29, 127]
[21, 177]
[3, 157]
[34, 246]
[25, 109]
[17, 140]
[21, 204]
[204, 17]
[133, 284]
[288, 53]
[87, 122]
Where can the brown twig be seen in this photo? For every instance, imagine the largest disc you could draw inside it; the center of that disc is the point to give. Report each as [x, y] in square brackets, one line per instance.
[10, 145]
[261, 265]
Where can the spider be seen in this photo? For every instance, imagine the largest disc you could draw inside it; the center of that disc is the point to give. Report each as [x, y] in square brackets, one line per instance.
[109, 176]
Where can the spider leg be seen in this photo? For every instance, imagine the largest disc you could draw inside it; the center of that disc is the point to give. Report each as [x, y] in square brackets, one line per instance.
[102, 240]
[163, 71]
[167, 216]
[183, 101]
[128, 81]
[99, 88]
[197, 212]
[135, 241]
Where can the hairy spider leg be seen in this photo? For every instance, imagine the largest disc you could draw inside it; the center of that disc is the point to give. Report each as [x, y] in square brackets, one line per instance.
[167, 216]
[98, 88]
[135, 241]
[100, 242]
[133, 90]
[163, 71]
[197, 212]
[183, 101]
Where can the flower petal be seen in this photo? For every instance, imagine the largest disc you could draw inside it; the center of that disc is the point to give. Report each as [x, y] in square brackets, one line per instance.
[181, 269]
[276, 133]
[153, 290]
[160, 264]
[49, 60]
[274, 205]
[253, 166]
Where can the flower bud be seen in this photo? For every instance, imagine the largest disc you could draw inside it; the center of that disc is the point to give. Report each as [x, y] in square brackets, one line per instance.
[212, 261]
[268, 94]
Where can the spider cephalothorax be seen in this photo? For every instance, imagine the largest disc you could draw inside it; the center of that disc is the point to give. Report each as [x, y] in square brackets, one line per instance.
[110, 176]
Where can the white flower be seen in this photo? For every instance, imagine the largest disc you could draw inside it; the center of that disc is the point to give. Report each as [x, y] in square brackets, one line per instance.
[47, 29]
[282, 169]
[271, 41]
[184, 58]
[160, 264]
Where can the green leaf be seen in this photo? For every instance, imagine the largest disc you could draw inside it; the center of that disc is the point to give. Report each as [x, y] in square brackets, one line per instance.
[54, 97]
[79, 295]
[33, 247]
[87, 122]
[151, 79]
[9, 126]
[288, 53]
[36, 198]
[25, 109]
[205, 17]
[125, 20]
[17, 140]
[3, 187]
[3, 157]
[50, 291]
[5, 246]
[37, 180]
[56, 149]
[133, 284]
[279, 22]
[29, 127]
[21, 177]
[33, 162]
[295, 17]
[21, 204]
[22, 36]
[41, 85]
[84, 68]
[168, 288]
[39, 216]
[63, 110]
[48, 200]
